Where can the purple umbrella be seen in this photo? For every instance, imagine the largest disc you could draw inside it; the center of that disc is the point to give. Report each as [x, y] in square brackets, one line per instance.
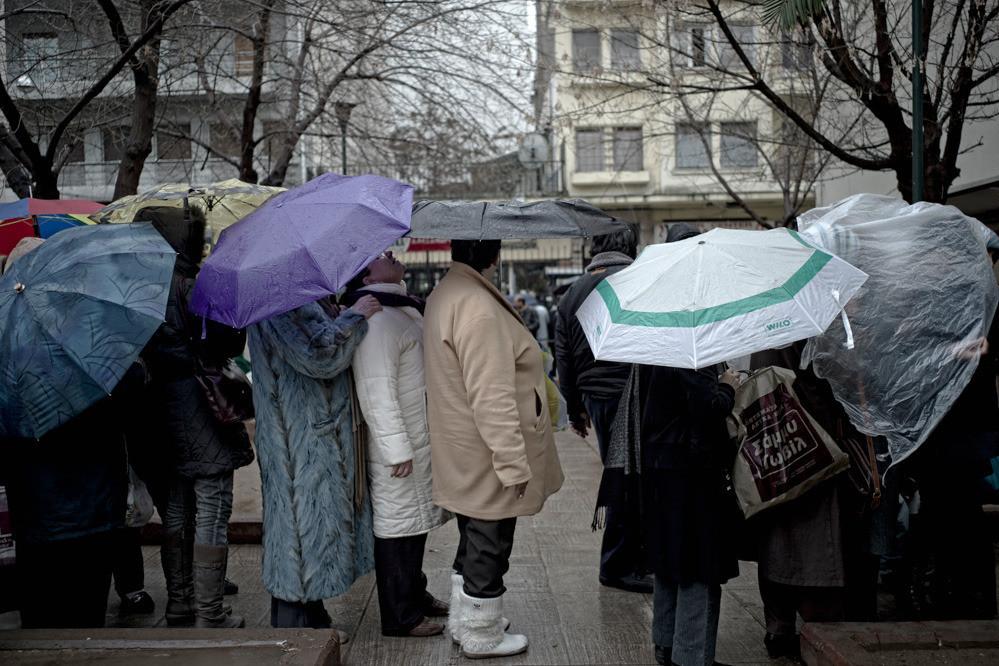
[300, 246]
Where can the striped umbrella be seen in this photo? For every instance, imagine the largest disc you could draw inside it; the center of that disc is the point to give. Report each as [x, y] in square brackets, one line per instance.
[716, 297]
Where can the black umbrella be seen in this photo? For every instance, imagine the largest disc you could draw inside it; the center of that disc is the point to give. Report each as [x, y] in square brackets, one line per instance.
[552, 218]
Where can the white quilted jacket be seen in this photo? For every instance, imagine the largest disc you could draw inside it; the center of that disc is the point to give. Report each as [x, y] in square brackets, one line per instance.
[388, 374]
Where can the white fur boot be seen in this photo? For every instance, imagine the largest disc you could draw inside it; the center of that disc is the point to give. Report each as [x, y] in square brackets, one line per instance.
[456, 614]
[483, 635]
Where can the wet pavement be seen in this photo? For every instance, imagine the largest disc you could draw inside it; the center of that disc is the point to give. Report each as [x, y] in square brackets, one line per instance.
[553, 596]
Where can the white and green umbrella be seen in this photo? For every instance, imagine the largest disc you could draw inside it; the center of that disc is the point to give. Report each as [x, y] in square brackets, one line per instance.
[716, 297]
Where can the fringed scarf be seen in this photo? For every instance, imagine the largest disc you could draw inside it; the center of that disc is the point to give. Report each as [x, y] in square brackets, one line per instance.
[621, 481]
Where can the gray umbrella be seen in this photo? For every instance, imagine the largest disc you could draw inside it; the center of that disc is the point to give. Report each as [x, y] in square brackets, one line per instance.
[553, 218]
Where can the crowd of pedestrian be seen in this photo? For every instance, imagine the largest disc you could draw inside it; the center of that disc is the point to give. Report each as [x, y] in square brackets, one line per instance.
[380, 417]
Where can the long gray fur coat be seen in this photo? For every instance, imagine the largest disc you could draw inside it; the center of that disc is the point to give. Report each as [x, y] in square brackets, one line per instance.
[316, 544]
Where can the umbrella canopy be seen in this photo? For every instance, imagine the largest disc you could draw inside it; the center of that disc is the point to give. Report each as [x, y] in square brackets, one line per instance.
[223, 203]
[554, 218]
[715, 297]
[75, 314]
[300, 246]
[49, 225]
[40, 218]
[931, 295]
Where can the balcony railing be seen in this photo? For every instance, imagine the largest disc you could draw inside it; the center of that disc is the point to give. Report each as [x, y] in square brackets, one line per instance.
[504, 178]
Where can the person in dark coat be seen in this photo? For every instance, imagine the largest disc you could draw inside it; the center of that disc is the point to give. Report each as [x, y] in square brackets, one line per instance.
[950, 469]
[528, 314]
[592, 390]
[205, 452]
[690, 509]
[800, 546]
[66, 494]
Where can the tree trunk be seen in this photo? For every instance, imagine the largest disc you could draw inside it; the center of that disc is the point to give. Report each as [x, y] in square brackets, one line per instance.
[46, 182]
[140, 138]
[145, 74]
[15, 173]
[279, 170]
[247, 145]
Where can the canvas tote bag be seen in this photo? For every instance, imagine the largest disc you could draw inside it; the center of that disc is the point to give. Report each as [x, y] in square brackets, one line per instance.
[783, 451]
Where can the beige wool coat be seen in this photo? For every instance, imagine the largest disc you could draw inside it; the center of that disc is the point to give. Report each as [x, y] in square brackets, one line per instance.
[486, 402]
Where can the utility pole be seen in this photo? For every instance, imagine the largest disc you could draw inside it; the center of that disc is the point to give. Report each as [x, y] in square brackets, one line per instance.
[918, 171]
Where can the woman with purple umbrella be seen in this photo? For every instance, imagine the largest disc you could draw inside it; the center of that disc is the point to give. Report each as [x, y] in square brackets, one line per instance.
[317, 519]
[274, 271]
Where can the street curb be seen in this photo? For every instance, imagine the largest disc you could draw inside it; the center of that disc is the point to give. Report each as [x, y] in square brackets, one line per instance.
[240, 532]
[962, 642]
[287, 647]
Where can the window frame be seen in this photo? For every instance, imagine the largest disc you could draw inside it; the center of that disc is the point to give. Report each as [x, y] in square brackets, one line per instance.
[241, 56]
[577, 65]
[724, 155]
[222, 130]
[172, 142]
[639, 155]
[697, 136]
[705, 32]
[602, 150]
[632, 66]
[727, 57]
[109, 131]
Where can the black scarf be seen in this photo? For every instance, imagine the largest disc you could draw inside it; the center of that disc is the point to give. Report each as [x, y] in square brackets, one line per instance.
[385, 298]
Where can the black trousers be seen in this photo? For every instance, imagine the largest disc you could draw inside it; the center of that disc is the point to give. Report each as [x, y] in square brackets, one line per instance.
[783, 603]
[483, 556]
[299, 614]
[64, 584]
[621, 551]
[402, 585]
[126, 561]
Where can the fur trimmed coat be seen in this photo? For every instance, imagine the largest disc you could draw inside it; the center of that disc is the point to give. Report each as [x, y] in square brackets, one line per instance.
[316, 541]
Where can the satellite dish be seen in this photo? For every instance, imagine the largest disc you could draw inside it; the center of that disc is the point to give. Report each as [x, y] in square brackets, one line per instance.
[533, 152]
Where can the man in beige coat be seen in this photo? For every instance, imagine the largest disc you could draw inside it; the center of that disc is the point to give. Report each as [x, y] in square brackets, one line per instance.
[491, 441]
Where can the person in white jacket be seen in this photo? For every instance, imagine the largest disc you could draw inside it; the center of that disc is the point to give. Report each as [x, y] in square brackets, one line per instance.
[388, 375]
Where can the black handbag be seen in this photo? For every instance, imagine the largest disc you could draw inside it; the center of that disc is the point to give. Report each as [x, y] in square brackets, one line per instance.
[227, 390]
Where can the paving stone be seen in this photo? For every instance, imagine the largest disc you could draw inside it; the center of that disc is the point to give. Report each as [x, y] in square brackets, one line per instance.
[554, 596]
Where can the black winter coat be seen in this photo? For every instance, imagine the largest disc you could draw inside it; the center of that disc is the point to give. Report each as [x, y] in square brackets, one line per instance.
[182, 417]
[690, 506]
[578, 372]
[72, 482]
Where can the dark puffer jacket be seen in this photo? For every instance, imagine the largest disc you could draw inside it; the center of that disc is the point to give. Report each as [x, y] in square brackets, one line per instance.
[200, 445]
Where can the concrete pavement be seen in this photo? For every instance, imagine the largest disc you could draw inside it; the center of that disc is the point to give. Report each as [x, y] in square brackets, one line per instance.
[553, 597]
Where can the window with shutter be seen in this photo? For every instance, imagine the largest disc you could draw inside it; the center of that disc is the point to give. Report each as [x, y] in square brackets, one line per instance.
[625, 52]
[690, 149]
[628, 155]
[589, 150]
[738, 145]
[585, 50]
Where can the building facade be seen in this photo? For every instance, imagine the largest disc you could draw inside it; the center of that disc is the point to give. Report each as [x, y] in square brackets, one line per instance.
[604, 96]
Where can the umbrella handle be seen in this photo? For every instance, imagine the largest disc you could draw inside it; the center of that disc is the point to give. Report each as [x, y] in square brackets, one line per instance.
[846, 320]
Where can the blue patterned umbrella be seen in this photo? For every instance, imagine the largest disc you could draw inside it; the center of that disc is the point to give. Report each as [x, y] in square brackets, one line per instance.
[74, 315]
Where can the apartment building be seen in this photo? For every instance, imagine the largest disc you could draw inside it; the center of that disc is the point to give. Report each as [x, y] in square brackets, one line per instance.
[604, 95]
[54, 53]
